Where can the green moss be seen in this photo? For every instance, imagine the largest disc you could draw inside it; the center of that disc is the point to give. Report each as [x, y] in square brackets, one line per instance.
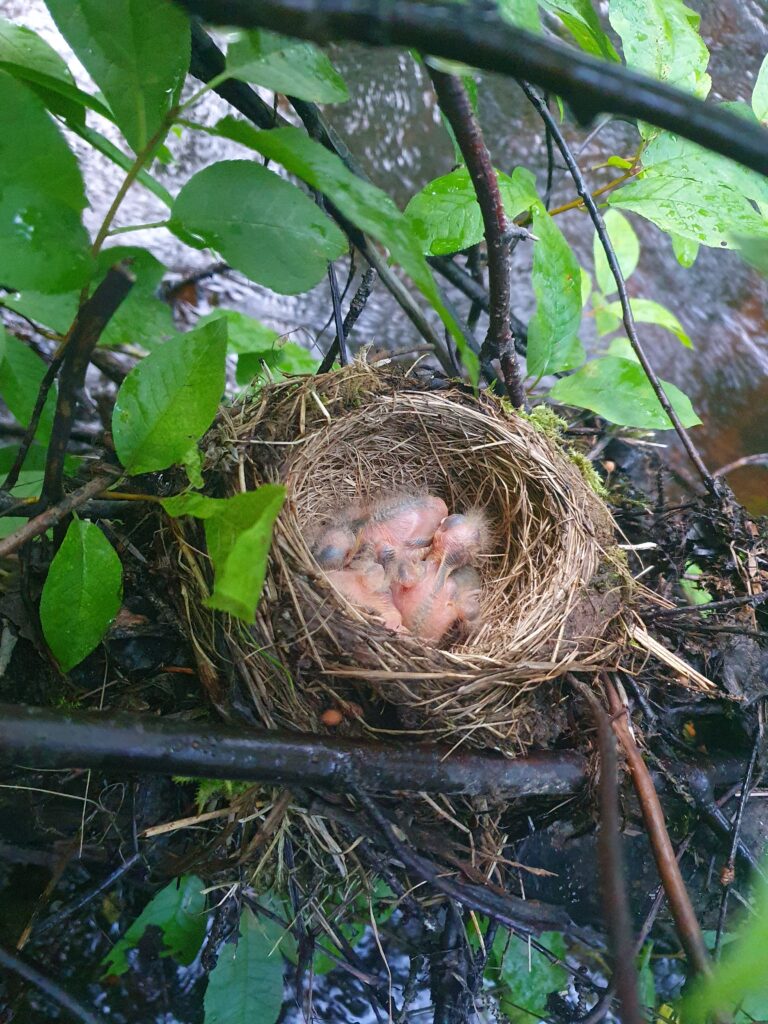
[213, 789]
[588, 471]
[545, 419]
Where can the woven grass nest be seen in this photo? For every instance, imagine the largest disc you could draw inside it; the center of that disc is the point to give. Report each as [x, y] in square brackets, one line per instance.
[553, 585]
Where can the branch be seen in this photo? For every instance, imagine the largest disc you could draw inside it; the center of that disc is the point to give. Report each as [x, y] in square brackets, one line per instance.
[479, 37]
[613, 263]
[616, 913]
[51, 989]
[52, 516]
[499, 342]
[135, 744]
[686, 924]
[356, 307]
[91, 320]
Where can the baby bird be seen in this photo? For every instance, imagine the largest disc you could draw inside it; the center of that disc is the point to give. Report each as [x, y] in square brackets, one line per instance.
[398, 532]
[457, 542]
[335, 543]
[429, 609]
[365, 585]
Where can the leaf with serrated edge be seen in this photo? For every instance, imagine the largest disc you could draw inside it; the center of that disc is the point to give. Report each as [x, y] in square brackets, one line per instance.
[81, 594]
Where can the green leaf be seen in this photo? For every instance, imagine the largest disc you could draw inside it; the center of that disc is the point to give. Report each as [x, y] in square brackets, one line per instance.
[244, 333]
[526, 977]
[626, 246]
[262, 225]
[281, 361]
[754, 251]
[81, 594]
[685, 249]
[661, 38]
[136, 51]
[169, 400]
[364, 205]
[760, 93]
[553, 342]
[248, 977]
[21, 374]
[521, 13]
[618, 390]
[582, 22]
[684, 159]
[28, 57]
[646, 311]
[693, 590]
[646, 986]
[43, 243]
[238, 534]
[605, 321]
[708, 212]
[739, 978]
[285, 65]
[178, 911]
[445, 215]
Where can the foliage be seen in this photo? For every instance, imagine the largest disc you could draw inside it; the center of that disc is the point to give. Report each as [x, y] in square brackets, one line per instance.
[81, 595]
[525, 977]
[249, 974]
[285, 65]
[238, 533]
[178, 910]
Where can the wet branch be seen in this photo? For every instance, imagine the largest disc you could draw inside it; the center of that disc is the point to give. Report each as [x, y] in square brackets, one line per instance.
[51, 989]
[629, 320]
[477, 36]
[499, 342]
[616, 913]
[127, 743]
[686, 923]
[52, 516]
[91, 320]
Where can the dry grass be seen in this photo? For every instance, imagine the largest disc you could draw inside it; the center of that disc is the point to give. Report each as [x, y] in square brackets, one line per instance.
[552, 582]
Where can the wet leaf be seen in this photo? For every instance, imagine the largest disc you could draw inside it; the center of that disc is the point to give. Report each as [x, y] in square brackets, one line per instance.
[21, 373]
[522, 13]
[81, 594]
[582, 22]
[526, 977]
[136, 51]
[244, 333]
[618, 390]
[646, 311]
[661, 38]
[260, 223]
[249, 974]
[708, 211]
[178, 911]
[238, 535]
[553, 342]
[626, 247]
[285, 65]
[366, 206]
[445, 215]
[43, 243]
[760, 93]
[169, 399]
[281, 361]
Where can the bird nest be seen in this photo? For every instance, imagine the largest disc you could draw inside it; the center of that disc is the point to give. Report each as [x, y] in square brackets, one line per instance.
[552, 581]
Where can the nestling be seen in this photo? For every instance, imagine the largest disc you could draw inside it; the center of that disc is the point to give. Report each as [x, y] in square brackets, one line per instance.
[365, 585]
[399, 532]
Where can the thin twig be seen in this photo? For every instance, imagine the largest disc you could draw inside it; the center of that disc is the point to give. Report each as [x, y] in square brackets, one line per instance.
[688, 928]
[499, 342]
[48, 987]
[729, 869]
[759, 459]
[34, 421]
[91, 320]
[52, 516]
[356, 307]
[477, 36]
[616, 912]
[697, 609]
[340, 340]
[613, 263]
[57, 918]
